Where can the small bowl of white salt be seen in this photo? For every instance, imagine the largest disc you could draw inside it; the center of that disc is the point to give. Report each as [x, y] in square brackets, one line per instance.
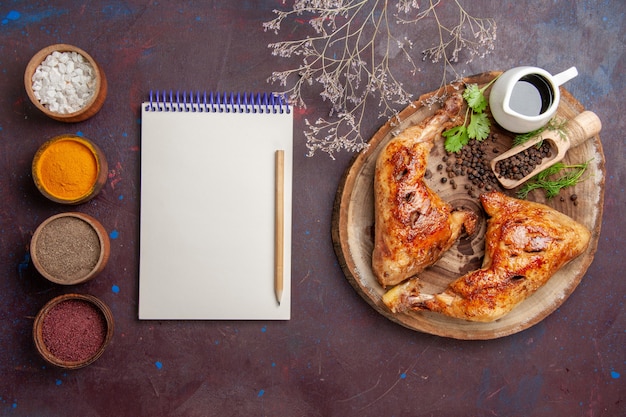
[65, 83]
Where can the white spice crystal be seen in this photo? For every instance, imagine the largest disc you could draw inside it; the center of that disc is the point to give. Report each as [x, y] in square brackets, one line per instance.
[64, 82]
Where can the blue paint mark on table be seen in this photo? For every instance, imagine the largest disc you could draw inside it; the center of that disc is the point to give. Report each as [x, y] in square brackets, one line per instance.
[23, 266]
[11, 16]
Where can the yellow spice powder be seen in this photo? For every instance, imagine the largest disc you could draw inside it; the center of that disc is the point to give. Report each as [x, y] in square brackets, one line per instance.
[67, 169]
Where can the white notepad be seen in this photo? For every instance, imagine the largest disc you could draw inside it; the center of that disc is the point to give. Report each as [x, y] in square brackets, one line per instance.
[207, 225]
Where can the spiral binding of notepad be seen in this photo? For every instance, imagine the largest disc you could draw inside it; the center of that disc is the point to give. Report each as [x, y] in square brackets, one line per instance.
[216, 102]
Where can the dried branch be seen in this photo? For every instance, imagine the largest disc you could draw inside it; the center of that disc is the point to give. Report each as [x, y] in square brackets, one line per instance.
[348, 56]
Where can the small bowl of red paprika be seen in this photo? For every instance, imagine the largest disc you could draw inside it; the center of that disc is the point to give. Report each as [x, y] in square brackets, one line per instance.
[72, 331]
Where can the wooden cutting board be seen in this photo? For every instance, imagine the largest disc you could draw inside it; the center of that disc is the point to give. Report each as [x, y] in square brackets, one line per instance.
[353, 226]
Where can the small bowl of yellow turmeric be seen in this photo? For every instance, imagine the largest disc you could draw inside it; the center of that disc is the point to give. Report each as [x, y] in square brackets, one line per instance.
[69, 169]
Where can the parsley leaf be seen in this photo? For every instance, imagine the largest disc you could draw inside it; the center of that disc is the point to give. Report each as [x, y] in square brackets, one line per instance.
[475, 98]
[479, 124]
[456, 138]
[478, 127]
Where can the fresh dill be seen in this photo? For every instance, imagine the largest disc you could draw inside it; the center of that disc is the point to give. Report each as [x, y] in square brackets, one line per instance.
[552, 186]
[553, 124]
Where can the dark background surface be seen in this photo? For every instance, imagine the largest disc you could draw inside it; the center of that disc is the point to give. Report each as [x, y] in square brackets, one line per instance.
[336, 356]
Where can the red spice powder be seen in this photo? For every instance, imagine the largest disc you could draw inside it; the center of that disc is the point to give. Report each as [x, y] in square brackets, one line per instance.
[74, 330]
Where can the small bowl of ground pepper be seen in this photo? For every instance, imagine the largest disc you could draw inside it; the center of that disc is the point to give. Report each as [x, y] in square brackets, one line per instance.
[70, 248]
[69, 169]
[72, 330]
[65, 83]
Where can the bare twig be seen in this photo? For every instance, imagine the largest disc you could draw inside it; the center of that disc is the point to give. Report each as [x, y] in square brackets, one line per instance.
[348, 54]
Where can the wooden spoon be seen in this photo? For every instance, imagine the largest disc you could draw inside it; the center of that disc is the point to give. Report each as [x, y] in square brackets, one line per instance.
[575, 132]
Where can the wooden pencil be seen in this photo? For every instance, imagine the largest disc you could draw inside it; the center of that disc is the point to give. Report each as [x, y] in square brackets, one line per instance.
[279, 225]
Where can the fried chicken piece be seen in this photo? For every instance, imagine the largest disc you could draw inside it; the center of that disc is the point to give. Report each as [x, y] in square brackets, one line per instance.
[413, 225]
[526, 244]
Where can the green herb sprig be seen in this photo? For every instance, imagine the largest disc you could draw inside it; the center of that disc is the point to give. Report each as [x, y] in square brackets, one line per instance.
[552, 186]
[553, 124]
[479, 124]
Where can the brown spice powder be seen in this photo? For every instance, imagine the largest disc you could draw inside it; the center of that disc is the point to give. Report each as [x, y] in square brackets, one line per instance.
[74, 330]
[68, 248]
